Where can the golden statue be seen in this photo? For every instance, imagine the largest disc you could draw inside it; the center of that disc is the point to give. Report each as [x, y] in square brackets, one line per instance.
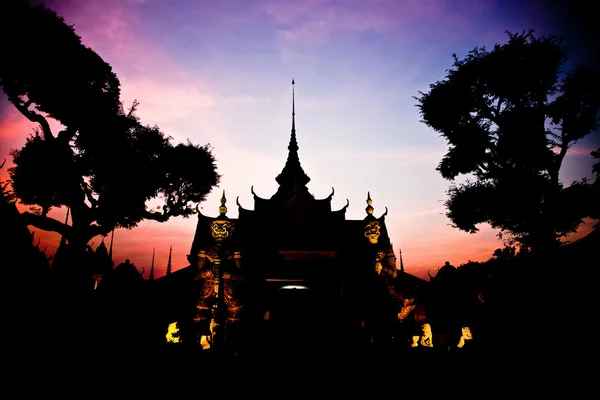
[425, 340]
[207, 340]
[208, 295]
[172, 335]
[407, 306]
[466, 335]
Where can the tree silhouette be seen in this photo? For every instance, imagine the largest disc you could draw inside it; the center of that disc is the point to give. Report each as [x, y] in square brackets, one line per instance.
[105, 165]
[510, 116]
[595, 197]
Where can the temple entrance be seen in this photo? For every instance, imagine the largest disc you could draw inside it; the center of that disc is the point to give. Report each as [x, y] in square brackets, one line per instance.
[296, 319]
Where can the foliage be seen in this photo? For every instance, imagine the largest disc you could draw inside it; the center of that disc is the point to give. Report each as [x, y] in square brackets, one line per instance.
[105, 165]
[510, 116]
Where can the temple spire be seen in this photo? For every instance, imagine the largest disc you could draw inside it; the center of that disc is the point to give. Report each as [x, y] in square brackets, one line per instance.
[293, 174]
[110, 253]
[401, 263]
[293, 114]
[151, 277]
[169, 262]
[63, 239]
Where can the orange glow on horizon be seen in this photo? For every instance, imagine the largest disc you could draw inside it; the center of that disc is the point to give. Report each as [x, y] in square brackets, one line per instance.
[420, 255]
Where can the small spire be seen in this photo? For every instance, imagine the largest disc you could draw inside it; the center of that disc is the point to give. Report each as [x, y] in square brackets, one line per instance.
[293, 113]
[63, 239]
[222, 207]
[369, 208]
[110, 253]
[169, 262]
[151, 276]
[401, 263]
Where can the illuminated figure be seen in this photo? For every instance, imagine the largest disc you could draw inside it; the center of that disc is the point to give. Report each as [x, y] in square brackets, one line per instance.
[207, 340]
[425, 340]
[173, 333]
[209, 291]
[218, 267]
[466, 335]
[407, 306]
[426, 336]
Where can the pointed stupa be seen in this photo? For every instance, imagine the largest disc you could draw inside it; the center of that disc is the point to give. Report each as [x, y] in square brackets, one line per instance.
[110, 251]
[169, 262]
[63, 239]
[292, 174]
[401, 262]
[59, 259]
[151, 276]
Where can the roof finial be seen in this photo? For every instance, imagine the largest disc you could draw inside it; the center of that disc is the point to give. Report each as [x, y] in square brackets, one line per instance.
[222, 207]
[293, 110]
[169, 262]
[369, 208]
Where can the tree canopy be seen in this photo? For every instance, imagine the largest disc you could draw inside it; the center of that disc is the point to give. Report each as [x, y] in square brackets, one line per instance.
[105, 165]
[510, 115]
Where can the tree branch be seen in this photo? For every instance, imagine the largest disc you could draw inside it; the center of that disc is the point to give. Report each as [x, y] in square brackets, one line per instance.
[88, 194]
[96, 230]
[46, 223]
[564, 147]
[164, 216]
[67, 134]
[156, 216]
[33, 117]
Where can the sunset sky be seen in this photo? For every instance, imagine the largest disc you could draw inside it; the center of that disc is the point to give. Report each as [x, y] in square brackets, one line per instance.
[220, 71]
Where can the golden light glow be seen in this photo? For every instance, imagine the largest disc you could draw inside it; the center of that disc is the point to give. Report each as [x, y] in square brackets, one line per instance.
[97, 278]
[287, 287]
[237, 257]
[172, 332]
[204, 342]
[378, 267]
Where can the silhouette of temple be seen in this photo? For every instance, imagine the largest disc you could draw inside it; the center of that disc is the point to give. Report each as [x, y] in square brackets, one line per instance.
[292, 271]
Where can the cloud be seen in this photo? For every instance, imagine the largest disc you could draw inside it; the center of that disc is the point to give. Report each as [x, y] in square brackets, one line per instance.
[311, 22]
[167, 101]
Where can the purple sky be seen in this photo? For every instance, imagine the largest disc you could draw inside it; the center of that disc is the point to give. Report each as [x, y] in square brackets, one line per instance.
[219, 72]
